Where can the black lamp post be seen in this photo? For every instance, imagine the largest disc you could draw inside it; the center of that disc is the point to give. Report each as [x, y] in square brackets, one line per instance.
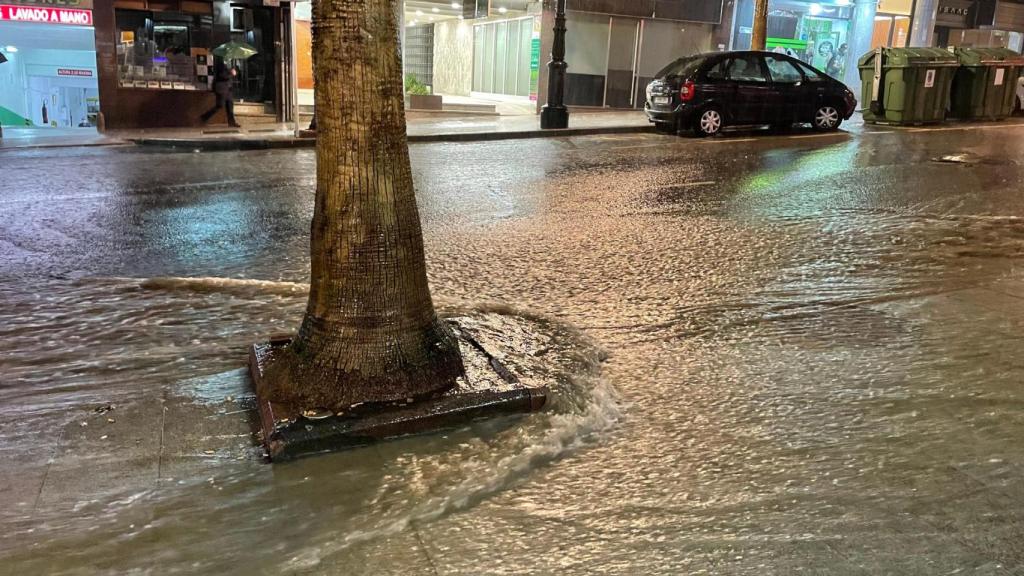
[554, 114]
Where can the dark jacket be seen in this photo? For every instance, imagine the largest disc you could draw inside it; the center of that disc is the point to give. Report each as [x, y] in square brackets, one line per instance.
[222, 80]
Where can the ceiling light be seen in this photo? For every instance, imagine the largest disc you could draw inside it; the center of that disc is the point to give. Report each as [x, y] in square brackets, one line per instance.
[12, 49]
[815, 9]
[502, 10]
[434, 10]
[456, 5]
[419, 12]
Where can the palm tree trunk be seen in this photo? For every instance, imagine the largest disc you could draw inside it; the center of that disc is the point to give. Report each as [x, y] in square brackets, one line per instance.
[370, 334]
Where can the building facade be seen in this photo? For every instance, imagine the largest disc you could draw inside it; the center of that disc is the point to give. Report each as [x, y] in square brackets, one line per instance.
[498, 49]
[977, 23]
[122, 64]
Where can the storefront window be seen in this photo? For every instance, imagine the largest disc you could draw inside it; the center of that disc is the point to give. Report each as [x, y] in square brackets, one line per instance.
[504, 58]
[890, 31]
[816, 33]
[157, 50]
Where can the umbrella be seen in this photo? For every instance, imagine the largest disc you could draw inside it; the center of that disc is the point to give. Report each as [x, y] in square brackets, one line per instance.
[235, 51]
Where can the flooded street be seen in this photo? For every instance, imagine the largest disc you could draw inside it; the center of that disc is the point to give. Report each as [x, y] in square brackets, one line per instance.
[773, 355]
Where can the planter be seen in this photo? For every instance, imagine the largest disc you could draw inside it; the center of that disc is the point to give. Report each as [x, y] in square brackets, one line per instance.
[425, 102]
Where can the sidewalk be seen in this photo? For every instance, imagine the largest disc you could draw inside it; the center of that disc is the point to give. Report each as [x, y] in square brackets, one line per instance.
[55, 138]
[421, 128]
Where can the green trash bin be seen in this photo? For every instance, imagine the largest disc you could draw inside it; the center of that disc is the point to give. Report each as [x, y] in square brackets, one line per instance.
[913, 84]
[985, 85]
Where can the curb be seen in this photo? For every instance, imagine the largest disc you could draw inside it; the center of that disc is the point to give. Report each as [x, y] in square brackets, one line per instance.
[109, 144]
[218, 145]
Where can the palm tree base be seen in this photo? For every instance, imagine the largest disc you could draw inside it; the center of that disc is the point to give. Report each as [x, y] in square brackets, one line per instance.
[488, 389]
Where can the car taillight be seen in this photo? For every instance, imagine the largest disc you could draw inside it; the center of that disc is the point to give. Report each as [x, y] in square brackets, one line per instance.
[688, 91]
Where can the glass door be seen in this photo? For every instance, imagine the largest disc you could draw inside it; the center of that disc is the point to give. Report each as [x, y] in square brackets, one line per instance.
[623, 44]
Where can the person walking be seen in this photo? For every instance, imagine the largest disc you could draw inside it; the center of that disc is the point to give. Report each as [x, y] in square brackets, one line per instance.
[222, 80]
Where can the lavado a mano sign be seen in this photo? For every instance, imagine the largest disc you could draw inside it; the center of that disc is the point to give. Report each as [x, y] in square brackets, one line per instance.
[42, 15]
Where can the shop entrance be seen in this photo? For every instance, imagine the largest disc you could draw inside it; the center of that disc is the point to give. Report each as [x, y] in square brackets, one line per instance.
[49, 78]
[254, 26]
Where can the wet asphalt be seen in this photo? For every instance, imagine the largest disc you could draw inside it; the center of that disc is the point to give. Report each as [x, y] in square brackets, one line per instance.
[814, 360]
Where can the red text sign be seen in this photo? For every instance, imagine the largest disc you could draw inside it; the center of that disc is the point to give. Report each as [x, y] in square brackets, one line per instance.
[69, 16]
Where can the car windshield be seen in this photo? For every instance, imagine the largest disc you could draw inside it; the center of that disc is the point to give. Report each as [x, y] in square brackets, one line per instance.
[681, 67]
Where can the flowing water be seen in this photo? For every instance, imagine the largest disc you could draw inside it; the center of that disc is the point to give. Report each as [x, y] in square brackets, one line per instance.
[768, 358]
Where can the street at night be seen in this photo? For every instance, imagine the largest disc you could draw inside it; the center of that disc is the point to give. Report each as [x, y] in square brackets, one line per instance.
[777, 354]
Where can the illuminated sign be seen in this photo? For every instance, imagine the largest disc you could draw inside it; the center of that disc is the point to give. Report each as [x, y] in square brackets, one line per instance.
[58, 3]
[41, 15]
[74, 72]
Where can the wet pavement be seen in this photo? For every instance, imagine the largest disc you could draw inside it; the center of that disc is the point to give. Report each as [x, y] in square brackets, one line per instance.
[422, 126]
[812, 361]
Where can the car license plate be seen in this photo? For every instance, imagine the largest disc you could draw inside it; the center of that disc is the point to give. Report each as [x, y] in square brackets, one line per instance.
[662, 99]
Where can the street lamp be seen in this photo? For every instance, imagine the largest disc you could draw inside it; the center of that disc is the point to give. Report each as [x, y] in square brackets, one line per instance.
[555, 115]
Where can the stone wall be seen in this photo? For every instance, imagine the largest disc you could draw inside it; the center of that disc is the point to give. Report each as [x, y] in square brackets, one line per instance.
[453, 57]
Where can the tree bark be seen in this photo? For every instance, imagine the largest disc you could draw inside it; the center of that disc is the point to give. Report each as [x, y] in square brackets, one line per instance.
[370, 333]
[759, 36]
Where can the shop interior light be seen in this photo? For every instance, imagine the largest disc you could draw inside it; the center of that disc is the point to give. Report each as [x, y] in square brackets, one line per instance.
[502, 10]
[435, 10]
[814, 9]
[843, 2]
[11, 49]
[419, 12]
[456, 6]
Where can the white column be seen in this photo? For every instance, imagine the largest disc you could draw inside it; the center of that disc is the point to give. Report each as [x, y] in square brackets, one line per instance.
[922, 31]
[293, 59]
[859, 40]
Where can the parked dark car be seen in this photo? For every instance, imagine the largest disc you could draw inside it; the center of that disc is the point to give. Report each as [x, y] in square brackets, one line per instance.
[707, 92]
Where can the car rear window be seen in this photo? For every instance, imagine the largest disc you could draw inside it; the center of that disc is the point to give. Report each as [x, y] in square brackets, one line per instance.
[682, 67]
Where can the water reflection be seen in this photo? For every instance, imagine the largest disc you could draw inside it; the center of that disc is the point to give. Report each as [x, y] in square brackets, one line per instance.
[813, 363]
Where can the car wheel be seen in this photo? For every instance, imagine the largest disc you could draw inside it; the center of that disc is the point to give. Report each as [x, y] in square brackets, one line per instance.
[826, 118]
[709, 122]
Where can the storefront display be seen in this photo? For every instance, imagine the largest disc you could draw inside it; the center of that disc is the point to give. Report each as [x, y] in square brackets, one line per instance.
[49, 78]
[156, 59]
[156, 50]
[820, 42]
[812, 32]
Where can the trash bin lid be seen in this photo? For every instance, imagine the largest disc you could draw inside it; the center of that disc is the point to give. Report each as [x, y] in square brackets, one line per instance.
[911, 57]
[991, 55]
